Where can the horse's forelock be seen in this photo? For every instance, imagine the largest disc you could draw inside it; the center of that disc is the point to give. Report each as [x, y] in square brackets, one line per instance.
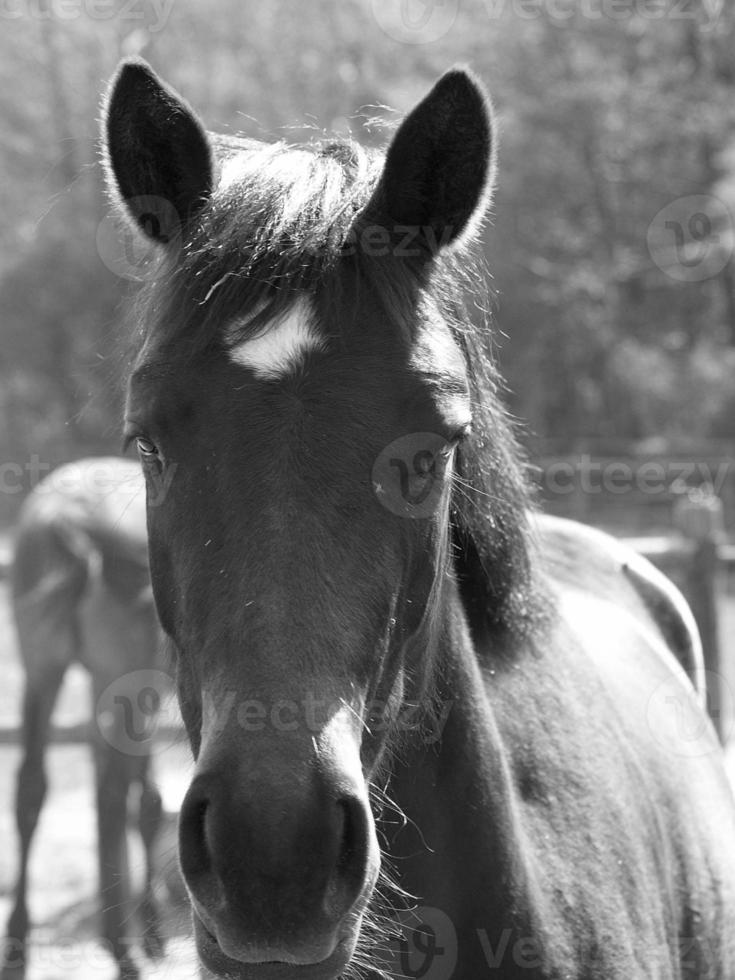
[274, 228]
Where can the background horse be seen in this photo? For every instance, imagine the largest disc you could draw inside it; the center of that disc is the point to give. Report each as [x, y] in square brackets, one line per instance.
[361, 609]
[81, 593]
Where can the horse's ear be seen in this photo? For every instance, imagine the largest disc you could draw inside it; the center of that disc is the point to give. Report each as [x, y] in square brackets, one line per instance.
[158, 157]
[439, 167]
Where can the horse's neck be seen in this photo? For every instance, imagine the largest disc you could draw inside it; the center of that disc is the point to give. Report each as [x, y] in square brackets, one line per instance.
[463, 836]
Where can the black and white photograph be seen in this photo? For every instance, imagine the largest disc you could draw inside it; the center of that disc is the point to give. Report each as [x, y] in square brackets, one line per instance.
[367, 490]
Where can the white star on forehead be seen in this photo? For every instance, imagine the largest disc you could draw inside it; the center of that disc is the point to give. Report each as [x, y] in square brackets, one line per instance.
[282, 345]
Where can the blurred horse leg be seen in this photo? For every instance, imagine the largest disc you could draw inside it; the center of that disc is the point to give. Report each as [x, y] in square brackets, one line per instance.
[146, 636]
[116, 772]
[120, 644]
[150, 816]
[114, 775]
[48, 636]
[49, 573]
[38, 703]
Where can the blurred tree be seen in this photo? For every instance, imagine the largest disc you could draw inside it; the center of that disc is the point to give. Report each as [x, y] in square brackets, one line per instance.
[611, 126]
[607, 122]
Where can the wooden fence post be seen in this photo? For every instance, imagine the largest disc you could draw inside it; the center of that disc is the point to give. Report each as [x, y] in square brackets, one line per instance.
[698, 516]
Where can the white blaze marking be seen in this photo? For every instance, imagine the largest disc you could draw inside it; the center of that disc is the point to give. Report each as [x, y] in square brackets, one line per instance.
[282, 345]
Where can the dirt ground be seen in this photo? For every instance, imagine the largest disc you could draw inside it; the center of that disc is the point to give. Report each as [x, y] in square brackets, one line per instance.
[63, 903]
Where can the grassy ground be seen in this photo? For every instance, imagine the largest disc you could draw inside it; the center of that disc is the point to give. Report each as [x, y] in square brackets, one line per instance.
[63, 878]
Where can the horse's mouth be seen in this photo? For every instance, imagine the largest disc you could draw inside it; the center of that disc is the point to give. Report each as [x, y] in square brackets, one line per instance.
[221, 965]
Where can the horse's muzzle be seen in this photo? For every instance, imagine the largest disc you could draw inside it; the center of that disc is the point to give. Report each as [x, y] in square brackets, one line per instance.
[279, 864]
[218, 963]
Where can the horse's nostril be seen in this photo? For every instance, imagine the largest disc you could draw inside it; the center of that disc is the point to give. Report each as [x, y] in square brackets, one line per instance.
[349, 874]
[350, 829]
[194, 848]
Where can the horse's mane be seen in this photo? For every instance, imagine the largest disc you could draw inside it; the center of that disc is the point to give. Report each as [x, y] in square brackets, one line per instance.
[281, 228]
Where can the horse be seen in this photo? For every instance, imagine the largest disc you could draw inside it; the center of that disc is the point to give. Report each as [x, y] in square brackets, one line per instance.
[436, 733]
[81, 593]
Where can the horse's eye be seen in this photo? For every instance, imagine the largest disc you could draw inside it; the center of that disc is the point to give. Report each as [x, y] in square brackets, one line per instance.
[462, 432]
[146, 447]
[454, 440]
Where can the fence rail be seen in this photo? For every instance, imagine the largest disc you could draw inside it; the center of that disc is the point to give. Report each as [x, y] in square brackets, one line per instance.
[82, 733]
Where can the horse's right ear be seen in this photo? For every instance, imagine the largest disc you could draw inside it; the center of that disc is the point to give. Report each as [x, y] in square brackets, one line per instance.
[157, 155]
[439, 167]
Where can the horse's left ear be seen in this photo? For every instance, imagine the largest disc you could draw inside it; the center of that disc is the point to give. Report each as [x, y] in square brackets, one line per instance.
[439, 167]
[157, 154]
